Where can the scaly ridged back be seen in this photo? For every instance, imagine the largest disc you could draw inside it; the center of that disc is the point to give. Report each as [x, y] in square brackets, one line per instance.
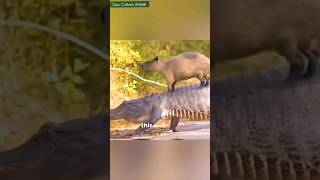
[192, 102]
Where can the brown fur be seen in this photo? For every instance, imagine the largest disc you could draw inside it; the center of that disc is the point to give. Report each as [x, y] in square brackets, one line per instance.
[289, 27]
[181, 67]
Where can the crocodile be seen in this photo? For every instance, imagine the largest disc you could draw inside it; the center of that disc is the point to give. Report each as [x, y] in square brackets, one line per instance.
[71, 150]
[189, 102]
[266, 132]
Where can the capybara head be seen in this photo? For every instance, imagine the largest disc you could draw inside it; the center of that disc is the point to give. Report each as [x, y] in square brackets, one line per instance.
[154, 64]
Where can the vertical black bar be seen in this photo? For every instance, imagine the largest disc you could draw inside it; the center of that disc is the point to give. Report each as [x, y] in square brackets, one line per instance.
[108, 85]
[105, 16]
[212, 68]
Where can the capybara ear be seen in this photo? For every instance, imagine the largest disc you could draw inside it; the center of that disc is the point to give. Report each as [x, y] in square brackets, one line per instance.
[156, 58]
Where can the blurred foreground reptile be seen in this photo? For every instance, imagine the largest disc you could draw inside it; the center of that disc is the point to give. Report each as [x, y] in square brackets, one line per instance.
[266, 131]
[71, 150]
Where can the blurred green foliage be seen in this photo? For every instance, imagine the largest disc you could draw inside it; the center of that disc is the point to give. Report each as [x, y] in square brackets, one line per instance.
[130, 55]
[45, 78]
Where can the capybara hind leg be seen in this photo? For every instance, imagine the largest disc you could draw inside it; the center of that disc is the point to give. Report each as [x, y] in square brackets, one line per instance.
[286, 44]
[207, 77]
[313, 57]
[201, 79]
